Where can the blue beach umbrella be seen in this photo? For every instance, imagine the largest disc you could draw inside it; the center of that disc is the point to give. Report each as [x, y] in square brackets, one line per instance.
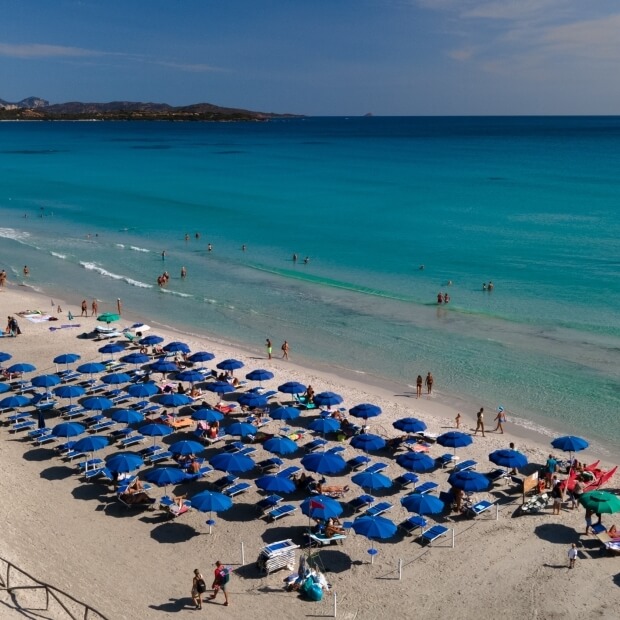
[251, 399]
[324, 425]
[326, 463]
[260, 374]
[163, 366]
[327, 399]
[422, 504]
[69, 391]
[368, 442]
[374, 528]
[149, 341]
[569, 444]
[469, 481]
[207, 415]
[321, 507]
[116, 378]
[276, 484]
[280, 445]
[155, 430]
[174, 400]
[127, 416]
[241, 429]
[372, 481]
[4, 388]
[186, 447]
[142, 390]
[91, 443]
[508, 458]
[22, 367]
[190, 375]
[292, 387]
[135, 358]
[230, 365]
[5, 357]
[201, 356]
[14, 402]
[409, 425]
[220, 387]
[111, 348]
[163, 476]
[176, 347]
[124, 462]
[365, 411]
[66, 359]
[416, 461]
[454, 439]
[68, 429]
[210, 501]
[285, 413]
[90, 368]
[97, 403]
[45, 381]
[232, 463]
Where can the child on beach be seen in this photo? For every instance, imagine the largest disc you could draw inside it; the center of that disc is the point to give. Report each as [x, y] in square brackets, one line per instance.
[573, 554]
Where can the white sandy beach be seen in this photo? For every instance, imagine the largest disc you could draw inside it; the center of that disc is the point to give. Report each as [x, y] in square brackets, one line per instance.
[132, 564]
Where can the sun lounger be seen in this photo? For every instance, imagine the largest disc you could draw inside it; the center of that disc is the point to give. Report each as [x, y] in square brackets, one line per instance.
[320, 540]
[78, 412]
[281, 511]
[375, 468]
[406, 479]
[203, 472]
[498, 474]
[64, 448]
[479, 507]
[132, 440]
[226, 409]
[45, 438]
[102, 426]
[447, 459]
[221, 484]
[466, 465]
[378, 509]
[336, 449]
[102, 474]
[221, 437]
[432, 437]
[38, 432]
[410, 525]
[247, 451]
[237, 489]
[358, 461]
[269, 464]
[314, 445]
[94, 463]
[150, 451]
[167, 504]
[26, 425]
[178, 423]
[234, 447]
[268, 503]
[20, 416]
[433, 533]
[362, 501]
[426, 487]
[93, 419]
[45, 405]
[303, 402]
[289, 472]
[151, 410]
[158, 457]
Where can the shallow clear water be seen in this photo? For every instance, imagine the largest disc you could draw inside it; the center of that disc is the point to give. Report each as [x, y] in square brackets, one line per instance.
[532, 204]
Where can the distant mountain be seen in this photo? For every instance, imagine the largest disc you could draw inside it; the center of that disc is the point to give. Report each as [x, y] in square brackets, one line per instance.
[34, 108]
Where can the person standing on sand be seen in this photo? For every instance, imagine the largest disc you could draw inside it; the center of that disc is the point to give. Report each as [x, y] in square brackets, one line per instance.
[457, 420]
[221, 577]
[199, 587]
[94, 308]
[84, 308]
[269, 348]
[429, 383]
[285, 350]
[573, 554]
[119, 306]
[418, 386]
[500, 418]
[480, 422]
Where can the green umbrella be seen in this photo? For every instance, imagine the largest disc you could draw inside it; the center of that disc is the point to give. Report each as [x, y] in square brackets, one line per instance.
[108, 317]
[600, 502]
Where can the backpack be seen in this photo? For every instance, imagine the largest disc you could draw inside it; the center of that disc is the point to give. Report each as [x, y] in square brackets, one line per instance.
[201, 586]
[225, 576]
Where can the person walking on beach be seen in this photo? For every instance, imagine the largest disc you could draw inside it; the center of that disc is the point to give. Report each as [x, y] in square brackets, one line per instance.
[418, 386]
[269, 348]
[500, 418]
[285, 350]
[457, 420]
[480, 422]
[429, 383]
[573, 554]
[119, 306]
[221, 577]
[84, 308]
[94, 308]
[199, 587]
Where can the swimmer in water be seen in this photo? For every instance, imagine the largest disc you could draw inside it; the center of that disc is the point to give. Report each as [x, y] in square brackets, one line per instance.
[440, 297]
[484, 286]
[306, 260]
[183, 272]
[294, 258]
[209, 248]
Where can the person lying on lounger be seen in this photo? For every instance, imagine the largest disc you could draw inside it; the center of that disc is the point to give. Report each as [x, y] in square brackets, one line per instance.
[332, 489]
[333, 527]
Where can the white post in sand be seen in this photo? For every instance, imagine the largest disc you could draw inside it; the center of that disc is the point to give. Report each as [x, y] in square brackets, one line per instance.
[497, 512]
[242, 555]
[335, 604]
[400, 569]
[453, 538]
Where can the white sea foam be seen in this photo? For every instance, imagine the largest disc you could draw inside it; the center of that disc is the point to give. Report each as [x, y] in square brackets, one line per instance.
[137, 249]
[209, 301]
[58, 255]
[11, 233]
[176, 293]
[114, 276]
[120, 245]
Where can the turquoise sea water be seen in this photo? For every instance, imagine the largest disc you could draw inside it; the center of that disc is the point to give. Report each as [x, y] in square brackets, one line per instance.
[530, 203]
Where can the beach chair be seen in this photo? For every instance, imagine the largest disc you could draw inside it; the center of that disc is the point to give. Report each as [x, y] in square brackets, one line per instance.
[468, 465]
[314, 445]
[289, 472]
[303, 402]
[318, 539]
[20, 416]
[158, 457]
[479, 507]
[269, 464]
[361, 501]
[103, 425]
[93, 419]
[221, 484]
[406, 480]
[431, 437]
[378, 509]
[94, 463]
[498, 474]
[151, 410]
[77, 412]
[44, 438]
[26, 425]
[426, 487]
[410, 525]
[234, 447]
[169, 506]
[203, 472]
[222, 435]
[247, 451]
[336, 449]
[102, 474]
[433, 533]
[38, 432]
[358, 461]
[375, 468]
[65, 447]
[237, 489]
[120, 433]
[447, 459]
[132, 440]
[146, 453]
[268, 503]
[281, 511]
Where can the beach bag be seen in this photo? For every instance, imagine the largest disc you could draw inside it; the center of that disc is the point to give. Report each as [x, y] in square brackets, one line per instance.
[225, 576]
[314, 592]
[201, 586]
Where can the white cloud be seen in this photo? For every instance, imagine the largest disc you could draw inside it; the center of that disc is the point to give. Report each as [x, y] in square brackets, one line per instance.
[462, 54]
[37, 50]
[189, 67]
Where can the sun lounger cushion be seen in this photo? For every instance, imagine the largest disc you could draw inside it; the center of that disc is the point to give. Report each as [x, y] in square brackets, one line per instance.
[289, 471]
[315, 445]
[426, 487]
[320, 540]
[361, 502]
[271, 463]
[159, 456]
[375, 468]
[433, 533]
[358, 461]
[378, 509]
[226, 481]
[412, 523]
[237, 489]
[465, 465]
[281, 511]
[406, 479]
[268, 503]
[480, 507]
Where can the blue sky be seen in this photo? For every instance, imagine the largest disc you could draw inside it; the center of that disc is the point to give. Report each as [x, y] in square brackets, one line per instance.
[319, 57]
